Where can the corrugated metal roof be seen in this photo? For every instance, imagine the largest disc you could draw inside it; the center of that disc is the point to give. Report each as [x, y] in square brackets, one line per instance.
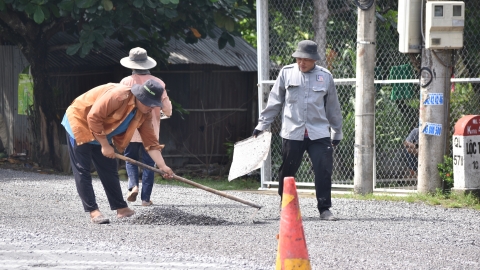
[205, 51]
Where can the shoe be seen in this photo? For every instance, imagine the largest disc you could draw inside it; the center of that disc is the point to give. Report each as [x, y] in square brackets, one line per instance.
[145, 203]
[132, 195]
[100, 219]
[327, 215]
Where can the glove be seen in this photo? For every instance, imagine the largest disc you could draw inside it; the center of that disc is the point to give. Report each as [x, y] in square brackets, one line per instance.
[256, 132]
[335, 142]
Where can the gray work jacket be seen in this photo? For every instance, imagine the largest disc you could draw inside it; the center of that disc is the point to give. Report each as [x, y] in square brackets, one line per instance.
[308, 100]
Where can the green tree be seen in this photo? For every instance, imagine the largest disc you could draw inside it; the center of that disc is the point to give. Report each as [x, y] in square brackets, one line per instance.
[30, 24]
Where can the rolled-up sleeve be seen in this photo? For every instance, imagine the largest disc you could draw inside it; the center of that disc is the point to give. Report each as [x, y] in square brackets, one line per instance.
[147, 133]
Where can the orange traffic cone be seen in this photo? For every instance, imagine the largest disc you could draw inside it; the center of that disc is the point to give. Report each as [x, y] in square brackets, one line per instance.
[292, 250]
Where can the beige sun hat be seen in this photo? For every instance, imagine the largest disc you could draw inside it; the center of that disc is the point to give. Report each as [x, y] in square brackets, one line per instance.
[138, 59]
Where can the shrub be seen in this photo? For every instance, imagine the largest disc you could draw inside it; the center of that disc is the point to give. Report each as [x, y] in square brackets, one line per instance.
[445, 170]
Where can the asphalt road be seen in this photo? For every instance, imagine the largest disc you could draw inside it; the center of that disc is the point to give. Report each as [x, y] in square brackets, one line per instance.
[43, 226]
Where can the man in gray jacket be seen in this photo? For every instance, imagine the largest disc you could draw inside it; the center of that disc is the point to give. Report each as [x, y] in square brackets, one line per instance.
[311, 120]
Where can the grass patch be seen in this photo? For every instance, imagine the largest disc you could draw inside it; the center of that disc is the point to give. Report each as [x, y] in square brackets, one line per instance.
[214, 182]
[447, 199]
[444, 199]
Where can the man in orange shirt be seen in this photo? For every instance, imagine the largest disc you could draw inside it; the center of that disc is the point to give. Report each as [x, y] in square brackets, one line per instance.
[101, 119]
[140, 63]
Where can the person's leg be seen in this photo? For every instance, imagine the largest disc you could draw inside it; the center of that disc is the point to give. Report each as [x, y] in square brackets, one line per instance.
[321, 154]
[148, 176]
[412, 162]
[132, 170]
[80, 159]
[292, 153]
[108, 174]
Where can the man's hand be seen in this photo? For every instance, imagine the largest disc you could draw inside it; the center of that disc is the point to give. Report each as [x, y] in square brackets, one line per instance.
[108, 151]
[335, 143]
[167, 172]
[411, 148]
[256, 132]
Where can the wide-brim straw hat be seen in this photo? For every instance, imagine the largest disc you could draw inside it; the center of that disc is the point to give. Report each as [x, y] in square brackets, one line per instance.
[307, 49]
[138, 59]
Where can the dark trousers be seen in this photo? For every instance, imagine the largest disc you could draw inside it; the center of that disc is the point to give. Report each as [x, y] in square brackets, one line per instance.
[81, 157]
[321, 155]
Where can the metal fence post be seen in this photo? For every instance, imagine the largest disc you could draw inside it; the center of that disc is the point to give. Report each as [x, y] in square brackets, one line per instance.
[263, 75]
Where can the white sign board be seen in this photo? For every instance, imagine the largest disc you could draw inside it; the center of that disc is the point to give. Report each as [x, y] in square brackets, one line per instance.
[466, 162]
[249, 154]
[466, 153]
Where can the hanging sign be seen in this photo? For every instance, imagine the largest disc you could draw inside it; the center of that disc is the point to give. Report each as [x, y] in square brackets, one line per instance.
[25, 93]
[434, 99]
[432, 129]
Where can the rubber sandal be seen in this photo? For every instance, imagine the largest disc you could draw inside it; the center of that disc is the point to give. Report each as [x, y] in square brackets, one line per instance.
[132, 195]
[145, 203]
[100, 219]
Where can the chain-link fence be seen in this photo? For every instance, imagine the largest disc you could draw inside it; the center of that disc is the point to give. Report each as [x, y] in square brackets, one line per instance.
[397, 104]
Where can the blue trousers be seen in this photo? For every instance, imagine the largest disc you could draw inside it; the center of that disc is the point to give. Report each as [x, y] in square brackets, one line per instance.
[133, 151]
[81, 157]
[321, 155]
[412, 160]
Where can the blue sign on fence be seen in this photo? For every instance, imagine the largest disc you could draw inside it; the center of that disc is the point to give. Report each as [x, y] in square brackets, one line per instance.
[432, 129]
[434, 99]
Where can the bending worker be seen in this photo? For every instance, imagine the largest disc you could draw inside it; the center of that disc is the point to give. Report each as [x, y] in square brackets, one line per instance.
[104, 117]
[311, 121]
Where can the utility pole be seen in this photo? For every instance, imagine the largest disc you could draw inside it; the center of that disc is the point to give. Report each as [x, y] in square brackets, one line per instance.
[434, 120]
[437, 28]
[444, 21]
[365, 101]
[263, 73]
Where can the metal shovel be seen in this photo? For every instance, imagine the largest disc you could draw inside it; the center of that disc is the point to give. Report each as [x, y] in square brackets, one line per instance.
[186, 181]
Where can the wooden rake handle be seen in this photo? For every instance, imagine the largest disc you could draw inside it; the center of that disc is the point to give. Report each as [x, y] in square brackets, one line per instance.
[186, 181]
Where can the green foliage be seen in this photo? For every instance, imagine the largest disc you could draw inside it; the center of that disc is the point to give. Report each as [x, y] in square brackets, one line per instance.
[230, 146]
[247, 28]
[463, 101]
[178, 108]
[390, 125]
[445, 170]
[145, 23]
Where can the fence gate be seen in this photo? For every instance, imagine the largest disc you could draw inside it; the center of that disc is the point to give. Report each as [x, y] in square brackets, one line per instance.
[282, 24]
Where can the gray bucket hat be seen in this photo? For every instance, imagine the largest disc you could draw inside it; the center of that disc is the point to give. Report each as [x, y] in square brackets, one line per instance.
[138, 59]
[149, 93]
[306, 49]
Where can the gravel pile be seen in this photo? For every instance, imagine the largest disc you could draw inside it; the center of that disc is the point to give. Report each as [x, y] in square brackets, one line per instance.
[42, 225]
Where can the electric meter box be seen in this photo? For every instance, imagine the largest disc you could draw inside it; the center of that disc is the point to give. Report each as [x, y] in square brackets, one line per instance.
[409, 26]
[444, 23]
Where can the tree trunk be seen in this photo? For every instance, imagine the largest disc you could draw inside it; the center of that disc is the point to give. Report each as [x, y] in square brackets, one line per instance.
[43, 122]
[320, 17]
